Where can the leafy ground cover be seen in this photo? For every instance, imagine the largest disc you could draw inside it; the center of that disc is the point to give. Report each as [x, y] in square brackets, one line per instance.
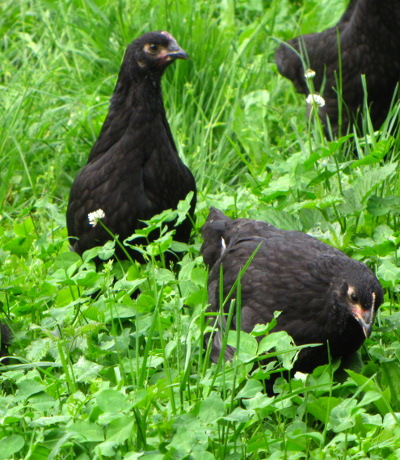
[98, 372]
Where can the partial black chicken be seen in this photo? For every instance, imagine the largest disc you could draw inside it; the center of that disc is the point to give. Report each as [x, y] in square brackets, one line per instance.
[369, 38]
[133, 171]
[5, 340]
[324, 295]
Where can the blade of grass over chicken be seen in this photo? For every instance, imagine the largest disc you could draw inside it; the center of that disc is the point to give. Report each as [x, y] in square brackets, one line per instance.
[225, 325]
[238, 312]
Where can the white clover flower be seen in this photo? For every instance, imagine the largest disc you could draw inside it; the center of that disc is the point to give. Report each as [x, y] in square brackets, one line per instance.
[309, 73]
[315, 98]
[95, 216]
[300, 376]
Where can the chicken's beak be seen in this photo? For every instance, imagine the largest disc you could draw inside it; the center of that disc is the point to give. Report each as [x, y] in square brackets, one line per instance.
[365, 318]
[176, 52]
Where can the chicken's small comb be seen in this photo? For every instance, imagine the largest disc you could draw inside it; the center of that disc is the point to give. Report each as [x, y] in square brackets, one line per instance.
[167, 34]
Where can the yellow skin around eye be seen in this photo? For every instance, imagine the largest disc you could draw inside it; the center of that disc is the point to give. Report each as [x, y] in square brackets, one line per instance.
[152, 48]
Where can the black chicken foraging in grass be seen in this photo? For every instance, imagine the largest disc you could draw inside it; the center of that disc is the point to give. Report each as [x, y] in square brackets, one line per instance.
[323, 295]
[369, 37]
[133, 171]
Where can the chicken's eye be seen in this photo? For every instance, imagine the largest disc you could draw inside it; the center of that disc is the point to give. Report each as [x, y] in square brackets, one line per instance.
[353, 298]
[153, 48]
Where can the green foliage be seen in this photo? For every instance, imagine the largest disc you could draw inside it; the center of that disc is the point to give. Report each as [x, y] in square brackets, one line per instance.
[110, 362]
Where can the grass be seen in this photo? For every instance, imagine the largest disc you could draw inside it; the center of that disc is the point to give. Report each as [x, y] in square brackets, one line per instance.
[98, 374]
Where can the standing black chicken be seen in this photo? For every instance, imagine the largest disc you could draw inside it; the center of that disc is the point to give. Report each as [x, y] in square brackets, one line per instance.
[364, 42]
[133, 171]
[324, 295]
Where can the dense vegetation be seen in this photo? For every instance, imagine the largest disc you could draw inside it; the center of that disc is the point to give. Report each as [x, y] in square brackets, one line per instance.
[100, 373]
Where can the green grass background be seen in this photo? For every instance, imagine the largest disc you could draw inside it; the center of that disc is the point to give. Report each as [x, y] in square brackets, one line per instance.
[107, 376]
